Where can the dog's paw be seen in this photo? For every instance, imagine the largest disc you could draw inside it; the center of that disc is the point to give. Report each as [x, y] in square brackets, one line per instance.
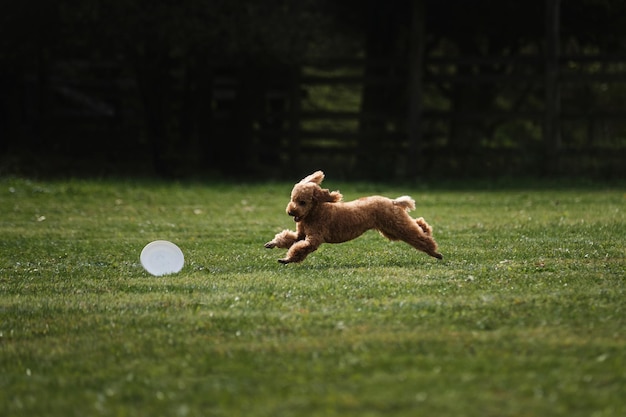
[271, 244]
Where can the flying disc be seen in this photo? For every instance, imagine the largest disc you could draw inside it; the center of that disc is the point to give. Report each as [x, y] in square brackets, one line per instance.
[162, 257]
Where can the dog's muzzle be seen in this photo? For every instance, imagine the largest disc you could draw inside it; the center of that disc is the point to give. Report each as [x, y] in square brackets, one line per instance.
[295, 218]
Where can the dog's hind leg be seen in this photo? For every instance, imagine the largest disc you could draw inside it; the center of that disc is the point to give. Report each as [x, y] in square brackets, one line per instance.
[415, 232]
[423, 239]
[424, 243]
[424, 226]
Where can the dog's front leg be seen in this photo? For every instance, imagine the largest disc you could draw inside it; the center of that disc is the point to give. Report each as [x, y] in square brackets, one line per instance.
[299, 251]
[284, 239]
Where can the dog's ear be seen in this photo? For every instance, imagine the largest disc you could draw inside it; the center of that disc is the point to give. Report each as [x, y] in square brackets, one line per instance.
[326, 196]
[317, 177]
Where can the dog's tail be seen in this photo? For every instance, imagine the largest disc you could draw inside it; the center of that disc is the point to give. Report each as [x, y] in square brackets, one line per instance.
[405, 202]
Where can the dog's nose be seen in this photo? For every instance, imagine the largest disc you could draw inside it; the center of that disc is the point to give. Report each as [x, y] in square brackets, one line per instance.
[291, 213]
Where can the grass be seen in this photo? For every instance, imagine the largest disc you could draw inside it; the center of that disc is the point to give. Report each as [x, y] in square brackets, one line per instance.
[524, 317]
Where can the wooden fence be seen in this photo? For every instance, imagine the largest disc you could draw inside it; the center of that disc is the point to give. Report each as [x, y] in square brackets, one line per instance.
[475, 116]
[510, 128]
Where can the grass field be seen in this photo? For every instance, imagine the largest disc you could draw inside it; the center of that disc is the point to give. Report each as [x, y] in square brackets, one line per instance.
[525, 316]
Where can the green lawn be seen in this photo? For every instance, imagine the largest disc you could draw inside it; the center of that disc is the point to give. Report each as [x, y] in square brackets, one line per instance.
[525, 316]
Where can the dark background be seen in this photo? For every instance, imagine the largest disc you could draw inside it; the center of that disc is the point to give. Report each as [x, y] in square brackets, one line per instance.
[370, 89]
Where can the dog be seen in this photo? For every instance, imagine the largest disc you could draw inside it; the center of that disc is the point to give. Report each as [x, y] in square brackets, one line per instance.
[322, 217]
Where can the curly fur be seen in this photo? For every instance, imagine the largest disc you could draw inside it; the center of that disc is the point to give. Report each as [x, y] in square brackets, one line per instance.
[322, 217]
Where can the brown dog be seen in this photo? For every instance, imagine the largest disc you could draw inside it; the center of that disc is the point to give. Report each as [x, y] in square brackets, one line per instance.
[322, 217]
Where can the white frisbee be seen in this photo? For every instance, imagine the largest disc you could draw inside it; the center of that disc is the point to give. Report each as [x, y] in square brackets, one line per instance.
[162, 257]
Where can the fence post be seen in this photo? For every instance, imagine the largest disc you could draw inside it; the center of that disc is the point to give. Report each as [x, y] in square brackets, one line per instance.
[552, 126]
[295, 114]
[415, 81]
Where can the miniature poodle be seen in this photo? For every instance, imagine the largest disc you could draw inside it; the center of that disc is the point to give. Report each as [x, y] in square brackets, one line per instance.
[321, 217]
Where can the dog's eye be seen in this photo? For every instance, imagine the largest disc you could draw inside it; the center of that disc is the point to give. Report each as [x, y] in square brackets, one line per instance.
[302, 203]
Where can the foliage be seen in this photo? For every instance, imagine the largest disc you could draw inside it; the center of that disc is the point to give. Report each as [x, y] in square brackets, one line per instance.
[524, 316]
[214, 86]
